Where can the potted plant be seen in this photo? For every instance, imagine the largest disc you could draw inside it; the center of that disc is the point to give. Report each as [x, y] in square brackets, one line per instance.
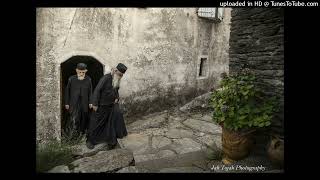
[240, 108]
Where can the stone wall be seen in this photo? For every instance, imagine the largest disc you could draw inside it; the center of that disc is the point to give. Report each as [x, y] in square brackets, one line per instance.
[257, 43]
[161, 47]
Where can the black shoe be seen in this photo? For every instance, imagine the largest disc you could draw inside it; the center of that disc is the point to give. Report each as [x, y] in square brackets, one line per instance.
[89, 145]
[113, 146]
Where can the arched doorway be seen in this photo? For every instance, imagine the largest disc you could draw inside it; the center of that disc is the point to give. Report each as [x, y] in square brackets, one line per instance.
[95, 71]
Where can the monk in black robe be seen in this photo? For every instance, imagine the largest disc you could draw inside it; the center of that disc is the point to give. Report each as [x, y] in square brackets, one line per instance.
[107, 123]
[77, 102]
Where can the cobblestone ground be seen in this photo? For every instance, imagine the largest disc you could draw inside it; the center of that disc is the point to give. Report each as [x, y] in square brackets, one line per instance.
[165, 142]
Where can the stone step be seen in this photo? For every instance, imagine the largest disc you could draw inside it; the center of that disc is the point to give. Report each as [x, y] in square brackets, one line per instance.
[103, 161]
[81, 150]
[179, 160]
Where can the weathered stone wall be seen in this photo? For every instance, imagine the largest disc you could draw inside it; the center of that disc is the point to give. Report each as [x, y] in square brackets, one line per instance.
[256, 42]
[160, 46]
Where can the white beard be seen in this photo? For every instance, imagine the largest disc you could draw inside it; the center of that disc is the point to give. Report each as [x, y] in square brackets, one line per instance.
[81, 77]
[116, 81]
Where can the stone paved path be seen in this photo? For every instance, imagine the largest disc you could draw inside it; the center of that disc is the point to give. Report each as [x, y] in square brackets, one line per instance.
[164, 142]
[172, 139]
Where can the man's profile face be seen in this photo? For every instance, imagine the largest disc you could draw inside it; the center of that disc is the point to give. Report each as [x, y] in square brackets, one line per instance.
[117, 72]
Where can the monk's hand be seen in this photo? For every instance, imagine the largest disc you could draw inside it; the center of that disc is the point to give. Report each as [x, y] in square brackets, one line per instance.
[67, 107]
[95, 108]
[90, 106]
[116, 101]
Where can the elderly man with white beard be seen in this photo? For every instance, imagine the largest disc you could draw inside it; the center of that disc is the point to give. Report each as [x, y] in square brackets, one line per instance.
[77, 102]
[106, 123]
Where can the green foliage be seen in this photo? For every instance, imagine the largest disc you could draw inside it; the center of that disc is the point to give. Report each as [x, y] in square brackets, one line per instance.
[52, 154]
[239, 104]
[73, 140]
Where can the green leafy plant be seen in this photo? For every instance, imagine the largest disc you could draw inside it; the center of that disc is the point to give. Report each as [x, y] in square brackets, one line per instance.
[240, 105]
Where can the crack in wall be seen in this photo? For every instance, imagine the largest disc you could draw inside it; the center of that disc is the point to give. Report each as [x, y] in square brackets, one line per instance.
[70, 26]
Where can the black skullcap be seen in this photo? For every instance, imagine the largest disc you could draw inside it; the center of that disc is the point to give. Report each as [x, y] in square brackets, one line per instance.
[122, 68]
[81, 66]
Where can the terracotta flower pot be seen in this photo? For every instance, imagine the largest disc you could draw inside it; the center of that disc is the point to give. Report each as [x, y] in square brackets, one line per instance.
[236, 145]
[276, 152]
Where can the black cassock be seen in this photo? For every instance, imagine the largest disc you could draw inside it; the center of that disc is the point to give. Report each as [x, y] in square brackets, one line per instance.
[77, 96]
[107, 123]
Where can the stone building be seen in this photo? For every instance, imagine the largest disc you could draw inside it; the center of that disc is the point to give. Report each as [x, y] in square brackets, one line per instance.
[172, 54]
[257, 43]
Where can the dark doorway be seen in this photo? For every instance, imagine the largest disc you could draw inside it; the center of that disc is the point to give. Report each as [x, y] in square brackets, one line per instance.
[68, 68]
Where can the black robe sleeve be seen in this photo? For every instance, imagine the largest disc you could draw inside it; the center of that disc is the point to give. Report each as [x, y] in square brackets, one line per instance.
[90, 92]
[117, 93]
[97, 92]
[67, 93]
